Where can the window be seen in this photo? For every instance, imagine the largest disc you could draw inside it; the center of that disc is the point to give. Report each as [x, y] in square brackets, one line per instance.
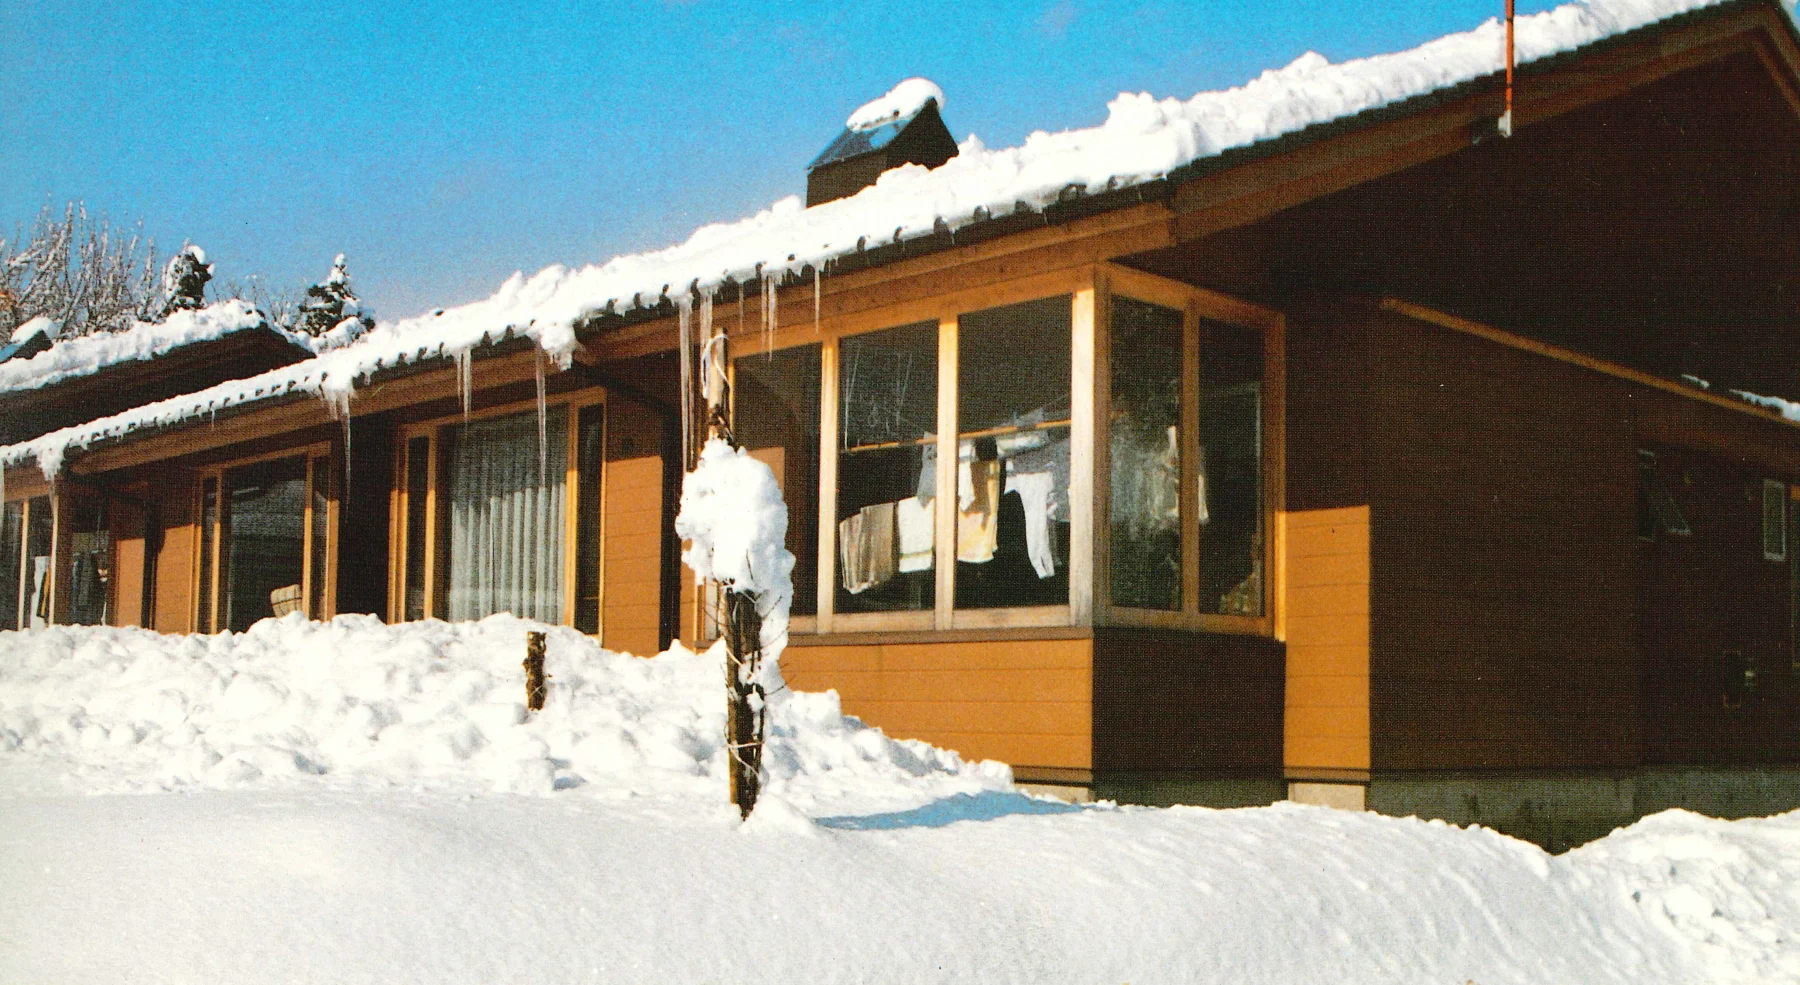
[1146, 452]
[506, 494]
[775, 411]
[1774, 520]
[1013, 417]
[25, 529]
[265, 538]
[887, 470]
[502, 513]
[1230, 496]
[90, 562]
[1657, 512]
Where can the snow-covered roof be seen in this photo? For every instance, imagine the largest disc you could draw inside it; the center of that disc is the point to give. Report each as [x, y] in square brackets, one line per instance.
[86, 354]
[1143, 139]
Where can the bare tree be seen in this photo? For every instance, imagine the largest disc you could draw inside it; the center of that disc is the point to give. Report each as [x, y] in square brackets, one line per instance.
[79, 272]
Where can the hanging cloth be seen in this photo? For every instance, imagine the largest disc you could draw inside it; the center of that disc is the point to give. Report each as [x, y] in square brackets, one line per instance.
[978, 501]
[1036, 491]
[915, 523]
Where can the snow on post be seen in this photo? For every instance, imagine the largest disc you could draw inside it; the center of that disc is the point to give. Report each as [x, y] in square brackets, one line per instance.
[733, 515]
[735, 520]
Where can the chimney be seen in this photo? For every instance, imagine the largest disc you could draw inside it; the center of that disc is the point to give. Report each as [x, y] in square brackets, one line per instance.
[902, 127]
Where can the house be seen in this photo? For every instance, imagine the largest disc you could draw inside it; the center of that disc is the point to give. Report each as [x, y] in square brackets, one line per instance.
[1312, 439]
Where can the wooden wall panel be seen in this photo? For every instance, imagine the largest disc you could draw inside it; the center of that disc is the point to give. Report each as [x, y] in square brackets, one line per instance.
[126, 522]
[1025, 702]
[632, 518]
[1175, 700]
[1326, 708]
[1503, 489]
[175, 561]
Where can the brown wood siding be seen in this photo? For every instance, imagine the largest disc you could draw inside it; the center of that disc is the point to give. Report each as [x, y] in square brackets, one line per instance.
[1503, 489]
[1326, 708]
[1177, 700]
[1024, 702]
[631, 504]
[1704, 595]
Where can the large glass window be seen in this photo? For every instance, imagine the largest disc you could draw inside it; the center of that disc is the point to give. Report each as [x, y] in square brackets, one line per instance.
[418, 487]
[320, 533]
[590, 446]
[776, 415]
[262, 541]
[887, 470]
[39, 533]
[1146, 444]
[507, 492]
[12, 556]
[1231, 493]
[90, 562]
[1013, 422]
[209, 522]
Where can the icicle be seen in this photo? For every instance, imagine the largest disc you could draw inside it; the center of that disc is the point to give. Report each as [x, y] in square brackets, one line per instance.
[771, 292]
[815, 299]
[686, 335]
[337, 408]
[465, 378]
[543, 433]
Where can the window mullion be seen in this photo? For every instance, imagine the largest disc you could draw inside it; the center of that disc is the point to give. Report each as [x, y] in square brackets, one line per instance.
[947, 453]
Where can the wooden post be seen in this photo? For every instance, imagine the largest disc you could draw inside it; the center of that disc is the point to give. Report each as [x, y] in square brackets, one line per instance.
[742, 626]
[535, 678]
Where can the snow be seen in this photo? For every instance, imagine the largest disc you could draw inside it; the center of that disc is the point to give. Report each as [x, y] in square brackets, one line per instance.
[86, 354]
[902, 101]
[1786, 408]
[33, 326]
[434, 833]
[735, 521]
[1143, 138]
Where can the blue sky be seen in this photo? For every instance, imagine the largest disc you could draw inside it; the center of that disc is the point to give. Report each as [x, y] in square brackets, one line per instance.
[442, 147]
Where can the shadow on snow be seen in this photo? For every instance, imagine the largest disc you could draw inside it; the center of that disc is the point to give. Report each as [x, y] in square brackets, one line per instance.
[985, 806]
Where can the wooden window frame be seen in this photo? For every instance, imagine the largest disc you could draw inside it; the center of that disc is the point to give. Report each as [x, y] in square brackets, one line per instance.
[1089, 288]
[437, 559]
[24, 494]
[1197, 305]
[208, 621]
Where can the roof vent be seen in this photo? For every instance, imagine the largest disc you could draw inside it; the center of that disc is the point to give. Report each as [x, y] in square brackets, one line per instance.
[902, 127]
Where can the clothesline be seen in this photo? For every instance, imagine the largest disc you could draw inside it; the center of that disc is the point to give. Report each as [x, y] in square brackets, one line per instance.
[965, 436]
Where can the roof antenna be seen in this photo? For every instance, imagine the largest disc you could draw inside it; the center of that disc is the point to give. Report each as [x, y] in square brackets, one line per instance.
[1505, 125]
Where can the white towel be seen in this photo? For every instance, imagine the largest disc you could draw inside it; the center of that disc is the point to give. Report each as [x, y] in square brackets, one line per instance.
[917, 523]
[1036, 490]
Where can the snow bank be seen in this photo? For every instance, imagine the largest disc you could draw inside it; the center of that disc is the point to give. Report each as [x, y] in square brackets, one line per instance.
[87, 354]
[425, 705]
[32, 326]
[900, 102]
[1142, 139]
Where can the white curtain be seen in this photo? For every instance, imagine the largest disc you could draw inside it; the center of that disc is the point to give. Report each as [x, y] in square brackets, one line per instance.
[506, 517]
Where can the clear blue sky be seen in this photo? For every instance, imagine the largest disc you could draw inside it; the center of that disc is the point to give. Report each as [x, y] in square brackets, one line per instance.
[443, 148]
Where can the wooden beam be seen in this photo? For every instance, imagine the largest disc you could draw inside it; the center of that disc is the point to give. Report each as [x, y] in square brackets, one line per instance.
[1432, 316]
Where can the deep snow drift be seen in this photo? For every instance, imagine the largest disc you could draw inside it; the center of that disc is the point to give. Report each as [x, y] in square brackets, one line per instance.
[349, 802]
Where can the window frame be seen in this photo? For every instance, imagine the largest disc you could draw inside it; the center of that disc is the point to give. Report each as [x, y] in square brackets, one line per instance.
[1090, 289]
[437, 560]
[25, 492]
[209, 541]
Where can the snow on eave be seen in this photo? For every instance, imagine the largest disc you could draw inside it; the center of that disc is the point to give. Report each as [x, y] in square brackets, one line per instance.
[1144, 139]
[84, 355]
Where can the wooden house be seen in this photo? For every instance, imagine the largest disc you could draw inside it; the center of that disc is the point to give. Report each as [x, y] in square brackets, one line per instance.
[1390, 463]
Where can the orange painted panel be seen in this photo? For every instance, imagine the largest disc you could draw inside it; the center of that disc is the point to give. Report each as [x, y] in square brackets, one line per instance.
[1028, 702]
[1328, 594]
[1348, 690]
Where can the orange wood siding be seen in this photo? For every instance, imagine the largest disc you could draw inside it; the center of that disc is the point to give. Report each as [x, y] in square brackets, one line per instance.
[175, 561]
[127, 525]
[1504, 490]
[1024, 702]
[631, 503]
[1327, 706]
